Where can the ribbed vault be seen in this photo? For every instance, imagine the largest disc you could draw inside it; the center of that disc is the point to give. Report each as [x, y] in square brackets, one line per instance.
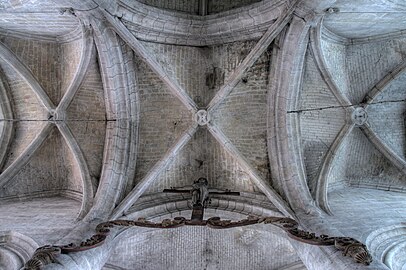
[102, 106]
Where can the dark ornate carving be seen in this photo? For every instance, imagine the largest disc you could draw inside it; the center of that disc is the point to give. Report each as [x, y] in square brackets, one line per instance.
[349, 246]
[42, 256]
[353, 248]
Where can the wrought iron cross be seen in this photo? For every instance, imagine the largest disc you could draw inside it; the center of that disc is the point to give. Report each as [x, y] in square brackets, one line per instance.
[200, 196]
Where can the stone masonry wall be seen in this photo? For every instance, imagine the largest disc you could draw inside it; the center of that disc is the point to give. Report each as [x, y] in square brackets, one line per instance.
[87, 118]
[242, 248]
[189, 66]
[216, 6]
[45, 220]
[243, 114]
[42, 58]
[335, 57]
[204, 157]
[321, 119]
[366, 166]
[370, 62]
[38, 177]
[188, 6]
[387, 115]
[160, 107]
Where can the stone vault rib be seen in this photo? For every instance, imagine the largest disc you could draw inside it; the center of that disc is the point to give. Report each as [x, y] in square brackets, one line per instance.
[24, 71]
[88, 186]
[286, 74]
[322, 178]
[391, 155]
[370, 97]
[159, 167]
[142, 52]
[315, 42]
[86, 55]
[121, 131]
[26, 155]
[253, 173]
[256, 52]
[7, 114]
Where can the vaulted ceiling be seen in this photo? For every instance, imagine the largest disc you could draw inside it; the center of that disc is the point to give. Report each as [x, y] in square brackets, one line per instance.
[100, 102]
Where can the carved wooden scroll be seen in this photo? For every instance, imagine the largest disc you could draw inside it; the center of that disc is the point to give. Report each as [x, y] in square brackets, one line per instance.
[349, 246]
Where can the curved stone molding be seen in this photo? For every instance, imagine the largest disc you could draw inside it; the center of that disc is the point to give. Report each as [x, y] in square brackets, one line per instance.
[176, 28]
[322, 179]
[388, 244]
[150, 60]
[315, 38]
[122, 104]
[71, 36]
[271, 194]
[157, 205]
[383, 83]
[161, 165]
[6, 114]
[87, 185]
[327, 35]
[11, 171]
[391, 155]
[286, 74]
[15, 249]
[25, 73]
[254, 54]
[86, 55]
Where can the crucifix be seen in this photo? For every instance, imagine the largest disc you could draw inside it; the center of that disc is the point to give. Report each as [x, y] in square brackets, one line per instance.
[200, 196]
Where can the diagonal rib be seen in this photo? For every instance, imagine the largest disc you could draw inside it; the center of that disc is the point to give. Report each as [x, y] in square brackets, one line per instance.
[25, 156]
[391, 155]
[88, 190]
[143, 53]
[315, 38]
[384, 82]
[86, 55]
[158, 168]
[271, 194]
[27, 75]
[253, 56]
[322, 179]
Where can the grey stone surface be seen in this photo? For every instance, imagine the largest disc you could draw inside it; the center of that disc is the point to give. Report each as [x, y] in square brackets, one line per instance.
[102, 116]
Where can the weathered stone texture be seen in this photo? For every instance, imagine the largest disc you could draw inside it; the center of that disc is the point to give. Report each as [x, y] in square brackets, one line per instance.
[160, 107]
[243, 114]
[337, 177]
[42, 58]
[368, 63]
[86, 117]
[215, 6]
[335, 57]
[204, 157]
[244, 248]
[189, 66]
[387, 115]
[49, 219]
[25, 103]
[321, 119]
[228, 56]
[188, 6]
[367, 167]
[370, 210]
[70, 54]
[47, 24]
[58, 175]
[24, 133]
